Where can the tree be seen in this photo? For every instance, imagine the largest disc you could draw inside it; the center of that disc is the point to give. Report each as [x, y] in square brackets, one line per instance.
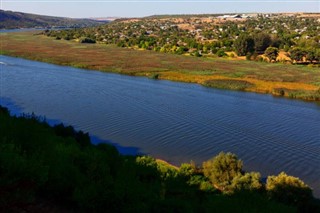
[297, 54]
[288, 189]
[187, 169]
[243, 45]
[248, 181]
[261, 42]
[221, 53]
[271, 53]
[87, 40]
[222, 169]
[317, 55]
[312, 55]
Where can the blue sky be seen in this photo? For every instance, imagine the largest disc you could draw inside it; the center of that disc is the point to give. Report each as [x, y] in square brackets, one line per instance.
[139, 8]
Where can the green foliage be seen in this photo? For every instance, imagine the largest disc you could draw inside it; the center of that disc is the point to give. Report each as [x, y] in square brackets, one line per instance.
[313, 55]
[261, 42]
[244, 44]
[288, 189]
[253, 35]
[154, 76]
[248, 181]
[221, 53]
[198, 54]
[271, 53]
[187, 169]
[40, 164]
[68, 131]
[87, 40]
[222, 169]
[297, 54]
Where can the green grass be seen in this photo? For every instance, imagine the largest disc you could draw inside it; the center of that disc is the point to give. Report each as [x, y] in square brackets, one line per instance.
[228, 84]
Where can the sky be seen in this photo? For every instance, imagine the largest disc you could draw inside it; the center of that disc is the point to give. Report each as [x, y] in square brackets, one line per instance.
[140, 8]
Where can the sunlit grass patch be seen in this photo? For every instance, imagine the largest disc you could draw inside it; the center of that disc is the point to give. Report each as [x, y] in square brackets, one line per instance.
[236, 74]
[201, 72]
[80, 47]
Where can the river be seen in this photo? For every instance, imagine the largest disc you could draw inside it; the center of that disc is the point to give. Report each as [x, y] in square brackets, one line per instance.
[177, 122]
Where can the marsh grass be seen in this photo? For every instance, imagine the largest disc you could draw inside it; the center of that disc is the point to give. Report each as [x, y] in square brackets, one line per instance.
[228, 84]
[306, 95]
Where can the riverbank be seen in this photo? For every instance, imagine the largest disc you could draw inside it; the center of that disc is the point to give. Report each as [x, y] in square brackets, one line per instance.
[58, 168]
[286, 80]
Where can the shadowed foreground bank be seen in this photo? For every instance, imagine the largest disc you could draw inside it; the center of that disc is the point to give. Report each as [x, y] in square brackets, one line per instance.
[57, 169]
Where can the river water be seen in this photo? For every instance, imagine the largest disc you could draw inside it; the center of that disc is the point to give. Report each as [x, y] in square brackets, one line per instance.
[177, 122]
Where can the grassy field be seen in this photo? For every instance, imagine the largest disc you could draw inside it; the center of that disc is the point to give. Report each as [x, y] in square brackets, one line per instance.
[292, 81]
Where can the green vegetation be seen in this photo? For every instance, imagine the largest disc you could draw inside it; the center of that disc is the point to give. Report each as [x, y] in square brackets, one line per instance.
[271, 53]
[87, 40]
[244, 45]
[222, 169]
[208, 35]
[228, 84]
[13, 20]
[58, 169]
[288, 189]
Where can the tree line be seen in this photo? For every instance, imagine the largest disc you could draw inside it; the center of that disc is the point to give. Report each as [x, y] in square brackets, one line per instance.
[297, 37]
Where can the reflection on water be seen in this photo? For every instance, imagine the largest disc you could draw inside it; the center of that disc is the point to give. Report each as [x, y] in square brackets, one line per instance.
[174, 121]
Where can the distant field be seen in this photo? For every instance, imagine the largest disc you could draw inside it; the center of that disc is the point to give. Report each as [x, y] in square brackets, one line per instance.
[279, 79]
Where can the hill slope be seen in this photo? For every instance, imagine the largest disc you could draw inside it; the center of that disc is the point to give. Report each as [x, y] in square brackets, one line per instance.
[11, 20]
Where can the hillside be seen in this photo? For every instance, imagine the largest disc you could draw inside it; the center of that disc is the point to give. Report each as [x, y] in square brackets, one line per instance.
[12, 20]
[260, 37]
[57, 169]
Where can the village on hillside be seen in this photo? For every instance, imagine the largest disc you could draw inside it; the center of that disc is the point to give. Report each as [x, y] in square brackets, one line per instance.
[289, 37]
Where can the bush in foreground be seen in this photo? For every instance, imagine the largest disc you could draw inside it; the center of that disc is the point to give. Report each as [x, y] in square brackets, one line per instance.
[288, 189]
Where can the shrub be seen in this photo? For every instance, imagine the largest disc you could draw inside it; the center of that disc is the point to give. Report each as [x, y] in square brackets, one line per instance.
[187, 169]
[261, 42]
[221, 53]
[248, 56]
[154, 76]
[244, 44]
[288, 189]
[87, 40]
[297, 54]
[279, 91]
[222, 169]
[271, 53]
[248, 181]
[197, 54]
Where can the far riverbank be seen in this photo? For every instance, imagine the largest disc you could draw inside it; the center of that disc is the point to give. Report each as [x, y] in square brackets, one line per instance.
[286, 80]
